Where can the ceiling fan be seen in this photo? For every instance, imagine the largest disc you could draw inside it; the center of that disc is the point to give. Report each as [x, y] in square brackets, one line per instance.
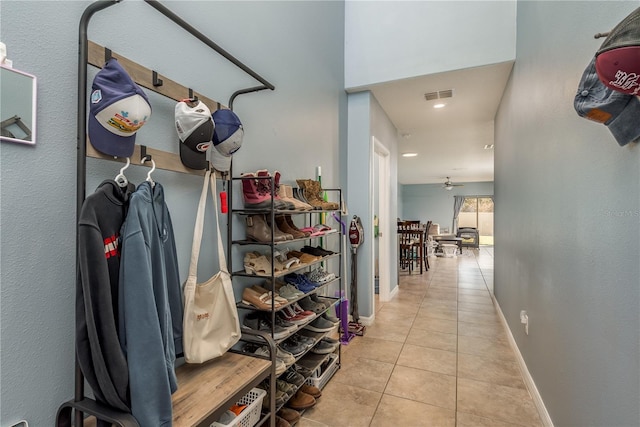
[448, 185]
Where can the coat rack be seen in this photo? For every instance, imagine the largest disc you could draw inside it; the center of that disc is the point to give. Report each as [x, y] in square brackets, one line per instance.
[94, 54]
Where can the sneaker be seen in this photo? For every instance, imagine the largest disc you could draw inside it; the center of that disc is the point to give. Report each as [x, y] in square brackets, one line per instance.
[288, 389]
[304, 371]
[318, 275]
[264, 351]
[285, 356]
[328, 316]
[291, 316]
[255, 320]
[320, 324]
[310, 305]
[293, 347]
[304, 340]
[285, 324]
[324, 347]
[289, 292]
[293, 377]
[301, 311]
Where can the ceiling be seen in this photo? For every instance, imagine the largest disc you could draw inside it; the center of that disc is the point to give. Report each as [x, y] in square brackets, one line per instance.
[449, 141]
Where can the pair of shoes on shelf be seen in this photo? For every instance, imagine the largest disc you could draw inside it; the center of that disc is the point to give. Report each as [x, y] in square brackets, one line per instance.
[258, 322]
[289, 292]
[319, 276]
[331, 318]
[317, 251]
[301, 282]
[325, 346]
[293, 377]
[259, 191]
[301, 400]
[318, 230]
[250, 348]
[262, 300]
[303, 257]
[320, 324]
[286, 225]
[258, 264]
[309, 304]
[289, 415]
[313, 194]
[280, 422]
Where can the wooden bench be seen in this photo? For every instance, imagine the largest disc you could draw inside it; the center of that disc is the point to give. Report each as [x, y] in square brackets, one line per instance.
[205, 391]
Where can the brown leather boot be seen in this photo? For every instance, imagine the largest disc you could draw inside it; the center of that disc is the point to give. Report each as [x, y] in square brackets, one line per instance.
[294, 226]
[259, 230]
[277, 231]
[301, 400]
[285, 227]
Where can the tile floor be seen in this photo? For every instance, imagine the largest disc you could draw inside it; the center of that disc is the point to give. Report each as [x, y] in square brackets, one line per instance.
[437, 355]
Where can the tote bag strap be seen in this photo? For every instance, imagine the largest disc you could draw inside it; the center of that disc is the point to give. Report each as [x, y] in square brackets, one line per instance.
[222, 259]
[199, 226]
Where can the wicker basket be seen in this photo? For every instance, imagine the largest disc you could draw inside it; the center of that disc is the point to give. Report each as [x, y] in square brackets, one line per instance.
[251, 414]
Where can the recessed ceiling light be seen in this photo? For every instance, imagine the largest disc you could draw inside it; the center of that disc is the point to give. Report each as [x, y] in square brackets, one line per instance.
[409, 154]
[439, 105]
[488, 146]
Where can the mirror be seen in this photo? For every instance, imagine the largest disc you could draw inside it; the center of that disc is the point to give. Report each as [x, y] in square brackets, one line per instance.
[17, 106]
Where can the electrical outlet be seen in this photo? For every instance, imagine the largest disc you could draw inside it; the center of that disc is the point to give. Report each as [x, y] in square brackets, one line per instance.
[524, 319]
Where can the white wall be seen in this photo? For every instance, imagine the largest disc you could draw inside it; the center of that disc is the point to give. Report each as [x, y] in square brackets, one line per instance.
[298, 46]
[393, 40]
[567, 222]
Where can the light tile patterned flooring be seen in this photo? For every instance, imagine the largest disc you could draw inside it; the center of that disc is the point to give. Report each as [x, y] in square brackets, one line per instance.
[437, 355]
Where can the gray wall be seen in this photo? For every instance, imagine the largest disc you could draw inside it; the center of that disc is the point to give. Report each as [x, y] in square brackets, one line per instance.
[567, 223]
[298, 46]
[431, 202]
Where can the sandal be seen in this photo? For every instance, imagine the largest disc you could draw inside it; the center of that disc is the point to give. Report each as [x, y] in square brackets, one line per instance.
[255, 263]
[262, 301]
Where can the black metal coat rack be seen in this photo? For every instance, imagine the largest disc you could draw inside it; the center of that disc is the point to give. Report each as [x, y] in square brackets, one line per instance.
[169, 161]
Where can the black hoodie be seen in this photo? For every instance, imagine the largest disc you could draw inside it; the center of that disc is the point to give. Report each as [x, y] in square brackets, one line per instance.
[100, 356]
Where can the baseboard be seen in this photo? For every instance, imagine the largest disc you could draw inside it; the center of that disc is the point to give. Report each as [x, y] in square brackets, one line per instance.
[526, 376]
[393, 293]
[368, 320]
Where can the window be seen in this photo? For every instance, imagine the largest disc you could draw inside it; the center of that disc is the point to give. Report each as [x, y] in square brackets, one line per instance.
[477, 212]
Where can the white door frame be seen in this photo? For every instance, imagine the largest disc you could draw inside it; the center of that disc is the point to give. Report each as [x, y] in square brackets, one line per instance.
[382, 155]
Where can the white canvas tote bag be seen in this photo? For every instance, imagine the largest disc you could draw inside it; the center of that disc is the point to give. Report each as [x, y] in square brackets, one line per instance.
[210, 325]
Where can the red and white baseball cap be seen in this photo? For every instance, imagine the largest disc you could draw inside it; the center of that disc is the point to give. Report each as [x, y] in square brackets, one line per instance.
[618, 59]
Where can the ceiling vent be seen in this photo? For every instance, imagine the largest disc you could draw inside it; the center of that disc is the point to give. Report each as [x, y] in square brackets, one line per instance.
[439, 94]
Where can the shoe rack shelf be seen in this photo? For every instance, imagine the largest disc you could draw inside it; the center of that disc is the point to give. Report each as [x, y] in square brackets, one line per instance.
[278, 274]
[284, 242]
[276, 309]
[306, 359]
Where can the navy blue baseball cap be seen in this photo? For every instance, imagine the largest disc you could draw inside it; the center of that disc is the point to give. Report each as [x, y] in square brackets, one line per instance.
[118, 109]
[227, 139]
[619, 112]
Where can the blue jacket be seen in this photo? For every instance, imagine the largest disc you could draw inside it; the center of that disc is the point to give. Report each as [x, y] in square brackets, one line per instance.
[150, 306]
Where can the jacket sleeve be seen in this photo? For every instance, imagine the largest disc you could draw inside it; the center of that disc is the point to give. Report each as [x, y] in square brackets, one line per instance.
[99, 353]
[141, 337]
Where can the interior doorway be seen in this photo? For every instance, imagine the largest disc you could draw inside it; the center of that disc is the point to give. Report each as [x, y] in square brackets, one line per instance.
[381, 234]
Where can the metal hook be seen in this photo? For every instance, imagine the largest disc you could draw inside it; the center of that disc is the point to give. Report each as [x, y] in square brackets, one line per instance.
[107, 54]
[191, 95]
[156, 81]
